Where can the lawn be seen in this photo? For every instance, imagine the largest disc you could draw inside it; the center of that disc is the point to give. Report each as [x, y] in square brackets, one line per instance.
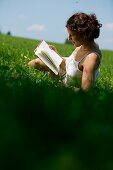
[46, 126]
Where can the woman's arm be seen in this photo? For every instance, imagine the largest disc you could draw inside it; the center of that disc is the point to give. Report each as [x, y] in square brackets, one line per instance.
[89, 67]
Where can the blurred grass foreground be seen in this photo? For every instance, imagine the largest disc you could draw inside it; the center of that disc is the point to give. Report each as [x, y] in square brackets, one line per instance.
[45, 126]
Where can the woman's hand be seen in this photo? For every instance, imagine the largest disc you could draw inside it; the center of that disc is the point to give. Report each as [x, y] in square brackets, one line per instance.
[75, 89]
[53, 48]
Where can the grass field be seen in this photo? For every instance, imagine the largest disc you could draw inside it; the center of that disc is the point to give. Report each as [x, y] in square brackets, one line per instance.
[45, 126]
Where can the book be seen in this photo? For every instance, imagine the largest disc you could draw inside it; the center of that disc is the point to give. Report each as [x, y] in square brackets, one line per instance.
[48, 56]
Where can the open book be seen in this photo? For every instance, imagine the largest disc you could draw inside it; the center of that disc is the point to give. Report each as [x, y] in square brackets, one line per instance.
[48, 56]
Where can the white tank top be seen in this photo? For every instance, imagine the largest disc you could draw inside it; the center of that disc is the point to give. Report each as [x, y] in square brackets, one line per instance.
[73, 75]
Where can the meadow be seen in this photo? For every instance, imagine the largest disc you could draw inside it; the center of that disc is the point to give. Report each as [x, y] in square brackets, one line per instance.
[46, 126]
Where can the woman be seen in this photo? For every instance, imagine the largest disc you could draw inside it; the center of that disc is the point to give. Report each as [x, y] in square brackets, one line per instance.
[82, 67]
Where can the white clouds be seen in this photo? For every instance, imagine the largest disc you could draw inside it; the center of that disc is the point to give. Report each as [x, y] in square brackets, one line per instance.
[108, 34]
[22, 17]
[36, 28]
[109, 26]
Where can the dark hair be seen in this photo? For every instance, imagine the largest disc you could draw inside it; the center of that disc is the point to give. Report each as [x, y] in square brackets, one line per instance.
[85, 25]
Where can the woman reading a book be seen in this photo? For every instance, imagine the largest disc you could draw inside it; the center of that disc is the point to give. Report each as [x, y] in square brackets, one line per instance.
[82, 67]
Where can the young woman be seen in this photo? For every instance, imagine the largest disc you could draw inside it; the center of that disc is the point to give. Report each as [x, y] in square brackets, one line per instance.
[81, 69]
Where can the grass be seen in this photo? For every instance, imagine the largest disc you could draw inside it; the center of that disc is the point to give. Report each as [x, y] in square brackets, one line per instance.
[47, 126]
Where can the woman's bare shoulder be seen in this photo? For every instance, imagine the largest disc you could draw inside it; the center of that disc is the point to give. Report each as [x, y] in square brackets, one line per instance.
[92, 59]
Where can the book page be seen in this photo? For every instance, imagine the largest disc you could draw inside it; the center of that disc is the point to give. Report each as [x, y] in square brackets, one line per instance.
[55, 58]
[48, 62]
[46, 59]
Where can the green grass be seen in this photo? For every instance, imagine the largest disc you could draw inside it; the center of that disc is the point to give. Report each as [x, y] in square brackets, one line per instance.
[45, 126]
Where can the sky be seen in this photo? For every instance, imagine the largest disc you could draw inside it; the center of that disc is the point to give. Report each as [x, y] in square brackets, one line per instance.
[46, 19]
